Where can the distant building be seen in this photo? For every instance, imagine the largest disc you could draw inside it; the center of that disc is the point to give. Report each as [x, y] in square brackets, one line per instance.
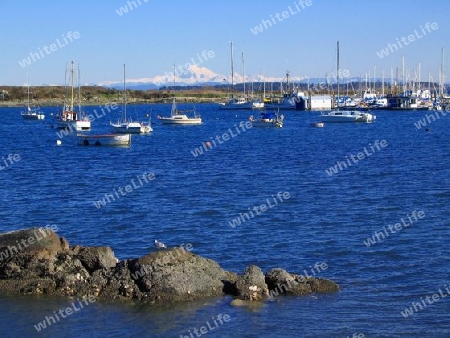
[320, 102]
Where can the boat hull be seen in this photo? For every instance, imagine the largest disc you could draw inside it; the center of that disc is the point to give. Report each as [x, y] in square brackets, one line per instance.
[347, 117]
[180, 121]
[270, 124]
[108, 140]
[34, 116]
[74, 125]
[131, 129]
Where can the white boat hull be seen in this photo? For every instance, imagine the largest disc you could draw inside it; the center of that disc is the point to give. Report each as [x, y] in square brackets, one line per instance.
[33, 116]
[176, 118]
[347, 117]
[268, 124]
[131, 128]
[108, 140]
[239, 106]
[74, 125]
[181, 120]
[268, 120]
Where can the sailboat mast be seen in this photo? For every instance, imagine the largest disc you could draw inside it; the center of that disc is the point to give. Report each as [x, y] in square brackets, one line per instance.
[403, 74]
[337, 77]
[124, 96]
[232, 71]
[442, 72]
[243, 72]
[79, 88]
[71, 85]
[28, 91]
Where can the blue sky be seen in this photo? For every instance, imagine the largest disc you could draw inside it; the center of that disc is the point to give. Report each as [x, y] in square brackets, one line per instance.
[153, 36]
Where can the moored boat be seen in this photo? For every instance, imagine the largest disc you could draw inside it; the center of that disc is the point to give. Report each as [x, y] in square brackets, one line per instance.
[111, 140]
[127, 126]
[68, 117]
[180, 117]
[338, 116]
[268, 120]
[348, 116]
[31, 113]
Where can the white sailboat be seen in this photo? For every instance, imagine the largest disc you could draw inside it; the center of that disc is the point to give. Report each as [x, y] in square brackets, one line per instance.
[180, 117]
[127, 126]
[337, 116]
[236, 103]
[31, 113]
[68, 117]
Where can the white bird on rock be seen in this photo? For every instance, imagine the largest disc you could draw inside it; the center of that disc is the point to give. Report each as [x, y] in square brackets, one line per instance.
[160, 245]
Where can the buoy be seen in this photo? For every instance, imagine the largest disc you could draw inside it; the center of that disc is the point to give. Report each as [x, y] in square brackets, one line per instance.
[58, 142]
[208, 144]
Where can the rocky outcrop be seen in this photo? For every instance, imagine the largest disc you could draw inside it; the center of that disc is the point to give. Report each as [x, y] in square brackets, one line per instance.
[38, 261]
[251, 285]
[281, 282]
[178, 275]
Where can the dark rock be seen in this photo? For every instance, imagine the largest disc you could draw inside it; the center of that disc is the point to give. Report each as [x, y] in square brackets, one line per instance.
[177, 275]
[324, 285]
[281, 282]
[29, 240]
[95, 258]
[38, 261]
[251, 285]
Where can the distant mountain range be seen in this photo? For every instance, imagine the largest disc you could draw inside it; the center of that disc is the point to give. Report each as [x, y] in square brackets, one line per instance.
[193, 76]
[196, 76]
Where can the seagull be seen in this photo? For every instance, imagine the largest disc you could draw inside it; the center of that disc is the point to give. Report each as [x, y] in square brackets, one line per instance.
[160, 245]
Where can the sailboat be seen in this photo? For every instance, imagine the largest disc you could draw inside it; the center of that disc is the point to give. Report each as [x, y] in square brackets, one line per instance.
[348, 115]
[239, 102]
[180, 117]
[31, 113]
[68, 117]
[268, 119]
[127, 126]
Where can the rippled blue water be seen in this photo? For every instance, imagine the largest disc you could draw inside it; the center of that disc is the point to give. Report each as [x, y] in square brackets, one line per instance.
[193, 199]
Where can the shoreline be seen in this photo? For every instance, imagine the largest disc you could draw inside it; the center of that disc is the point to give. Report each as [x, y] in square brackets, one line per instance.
[53, 103]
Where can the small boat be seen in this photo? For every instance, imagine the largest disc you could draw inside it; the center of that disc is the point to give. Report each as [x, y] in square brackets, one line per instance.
[31, 113]
[291, 100]
[68, 117]
[337, 116]
[180, 117]
[270, 120]
[125, 126]
[111, 140]
[241, 103]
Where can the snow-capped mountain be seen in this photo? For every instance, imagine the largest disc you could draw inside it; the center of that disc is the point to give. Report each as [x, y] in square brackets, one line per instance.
[194, 76]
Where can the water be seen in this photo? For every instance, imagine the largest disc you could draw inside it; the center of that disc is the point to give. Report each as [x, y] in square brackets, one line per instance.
[193, 199]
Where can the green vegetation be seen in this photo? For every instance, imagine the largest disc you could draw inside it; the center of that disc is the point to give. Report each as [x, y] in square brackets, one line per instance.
[94, 95]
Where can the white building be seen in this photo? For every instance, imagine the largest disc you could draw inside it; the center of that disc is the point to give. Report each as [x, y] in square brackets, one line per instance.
[320, 102]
